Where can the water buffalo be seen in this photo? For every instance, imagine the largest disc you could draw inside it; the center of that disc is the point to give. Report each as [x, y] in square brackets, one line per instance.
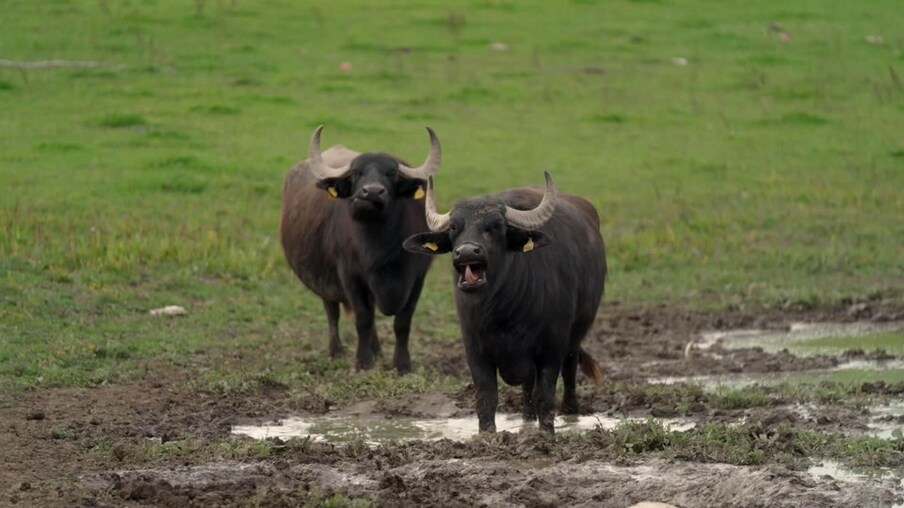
[345, 216]
[530, 269]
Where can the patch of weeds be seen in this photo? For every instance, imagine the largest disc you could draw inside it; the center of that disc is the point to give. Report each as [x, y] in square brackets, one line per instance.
[337, 88]
[421, 115]
[471, 93]
[455, 22]
[165, 134]
[217, 109]
[741, 398]
[899, 153]
[184, 184]
[121, 121]
[315, 497]
[750, 444]
[61, 433]
[58, 146]
[246, 81]
[6, 86]
[799, 118]
[616, 118]
[179, 161]
[355, 448]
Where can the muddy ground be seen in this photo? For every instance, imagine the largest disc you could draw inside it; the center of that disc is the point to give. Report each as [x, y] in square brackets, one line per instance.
[103, 446]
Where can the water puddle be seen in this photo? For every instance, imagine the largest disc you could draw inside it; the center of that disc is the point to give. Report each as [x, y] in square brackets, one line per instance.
[736, 380]
[375, 430]
[887, 422]
[842, 473]
[805, 339]
[797, 334]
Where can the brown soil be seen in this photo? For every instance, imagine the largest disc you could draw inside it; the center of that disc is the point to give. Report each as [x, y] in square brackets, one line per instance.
[65, 447]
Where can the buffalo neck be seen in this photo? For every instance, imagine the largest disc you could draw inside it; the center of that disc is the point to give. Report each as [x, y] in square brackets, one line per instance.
[379, 241]
[502, 303]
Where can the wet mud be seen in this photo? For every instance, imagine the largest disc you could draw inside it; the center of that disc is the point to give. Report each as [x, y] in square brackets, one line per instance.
[162, 441]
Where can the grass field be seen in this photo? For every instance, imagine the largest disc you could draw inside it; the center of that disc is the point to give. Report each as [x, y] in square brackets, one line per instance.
[742, 155]
[761, 172]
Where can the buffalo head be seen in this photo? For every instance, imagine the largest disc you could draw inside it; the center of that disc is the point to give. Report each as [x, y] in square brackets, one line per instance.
[481, 232]
[371, 181]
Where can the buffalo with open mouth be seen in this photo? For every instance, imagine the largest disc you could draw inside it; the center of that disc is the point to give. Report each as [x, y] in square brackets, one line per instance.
[529, 274]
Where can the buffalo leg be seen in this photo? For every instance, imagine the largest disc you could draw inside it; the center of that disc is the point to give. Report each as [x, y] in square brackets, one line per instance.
[484, 377]
[529, 411]
[332, 318]
[569, 373]
[402, 327]
[375, 342]
[545, 395]
[363, 306]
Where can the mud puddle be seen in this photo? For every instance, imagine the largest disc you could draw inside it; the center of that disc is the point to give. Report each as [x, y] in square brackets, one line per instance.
[738, 380]
[489, 481]
[887, 421]
[837, 471]
[375, 430]
[801, 352]
[798, 333]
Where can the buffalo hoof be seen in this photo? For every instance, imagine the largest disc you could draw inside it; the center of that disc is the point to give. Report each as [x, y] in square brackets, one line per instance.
[336, 351]
[569, 408]
[365, 362]
[402, 363]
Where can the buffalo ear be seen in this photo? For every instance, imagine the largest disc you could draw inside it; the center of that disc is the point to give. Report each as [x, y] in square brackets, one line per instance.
[412, 188]
[336, 187]
[520, 240]
[429, 243]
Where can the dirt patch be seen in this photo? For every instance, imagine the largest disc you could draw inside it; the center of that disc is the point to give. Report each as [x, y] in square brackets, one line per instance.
[466, 482]
[78, 446]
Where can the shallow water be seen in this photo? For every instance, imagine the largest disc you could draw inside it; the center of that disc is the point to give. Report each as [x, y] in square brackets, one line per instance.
[774, 341]
[842, 473]
[375, 430]
[795, 339]
[736, 380]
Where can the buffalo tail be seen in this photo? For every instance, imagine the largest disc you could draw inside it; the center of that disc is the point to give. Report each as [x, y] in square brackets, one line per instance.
[590, 367]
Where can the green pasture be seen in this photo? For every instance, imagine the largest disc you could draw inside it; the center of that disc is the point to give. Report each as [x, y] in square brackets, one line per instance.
[731, 164]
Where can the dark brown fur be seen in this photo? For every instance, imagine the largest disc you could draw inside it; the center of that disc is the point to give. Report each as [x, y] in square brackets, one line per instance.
[357, 263]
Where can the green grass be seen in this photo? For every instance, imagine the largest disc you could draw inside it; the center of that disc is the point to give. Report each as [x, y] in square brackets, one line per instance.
[746, 444]
[761, 172]
[890, 342]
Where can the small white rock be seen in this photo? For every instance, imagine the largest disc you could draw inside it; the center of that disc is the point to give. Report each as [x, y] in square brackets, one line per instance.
[169, 310]
[679, 60]
[499, 46]
[874, 39]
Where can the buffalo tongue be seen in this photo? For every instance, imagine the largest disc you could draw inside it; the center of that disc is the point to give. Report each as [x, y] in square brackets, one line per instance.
[470, 276]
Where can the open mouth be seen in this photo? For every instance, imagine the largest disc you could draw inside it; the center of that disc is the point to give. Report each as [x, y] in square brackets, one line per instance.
[471, 275]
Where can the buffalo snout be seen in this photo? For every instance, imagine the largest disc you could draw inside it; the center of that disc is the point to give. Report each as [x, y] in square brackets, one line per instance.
[468, 252]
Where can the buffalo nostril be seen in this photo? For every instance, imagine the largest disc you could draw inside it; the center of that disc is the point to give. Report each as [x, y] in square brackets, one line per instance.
[476, 250]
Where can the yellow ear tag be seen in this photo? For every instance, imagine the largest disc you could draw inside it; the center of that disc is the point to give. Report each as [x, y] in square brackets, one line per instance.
[529, 246]
[332, 192]
[432, 246]
[419, 193]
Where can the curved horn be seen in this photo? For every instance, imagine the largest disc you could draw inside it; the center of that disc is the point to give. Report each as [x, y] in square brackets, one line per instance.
[431, 165]
[534, 219]
[435, 221]
[321, 170]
